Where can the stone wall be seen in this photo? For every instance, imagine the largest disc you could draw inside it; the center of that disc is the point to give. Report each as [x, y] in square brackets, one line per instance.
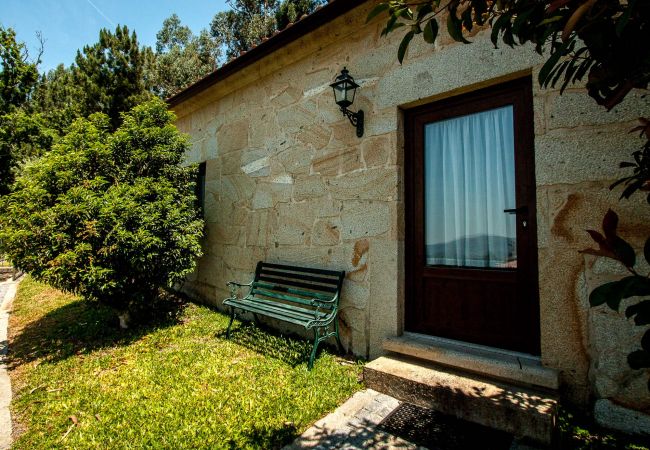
[288, 180]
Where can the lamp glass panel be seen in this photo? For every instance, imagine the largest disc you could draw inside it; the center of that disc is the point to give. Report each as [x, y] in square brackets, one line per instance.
[340, 93]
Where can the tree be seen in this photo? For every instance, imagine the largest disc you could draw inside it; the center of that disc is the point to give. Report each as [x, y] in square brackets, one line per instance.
[244, 25]
[181, 57]
[22, 136]
[249, 21]
[110, 74]
[18, 75]
[107, 215]
[292, 10]
[58, 98]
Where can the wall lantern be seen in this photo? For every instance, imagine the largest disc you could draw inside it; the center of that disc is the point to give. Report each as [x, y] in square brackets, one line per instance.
[344, 90]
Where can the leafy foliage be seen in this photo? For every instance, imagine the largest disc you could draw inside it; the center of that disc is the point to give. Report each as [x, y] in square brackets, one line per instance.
[109, 216]
[244, 24]
[640, 178]
[22, 136]
[612, 246]
[292, 10]
[110, 74]
[602, 40]
[18, 75]
[181, 57]
[249, 21]
[58, 98]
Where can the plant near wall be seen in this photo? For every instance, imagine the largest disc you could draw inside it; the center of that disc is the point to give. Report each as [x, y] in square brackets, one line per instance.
[611, 245]
[107, 215]
[604, 42]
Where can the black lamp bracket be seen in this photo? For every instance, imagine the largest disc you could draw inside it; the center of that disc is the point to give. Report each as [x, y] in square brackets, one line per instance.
[356, 119]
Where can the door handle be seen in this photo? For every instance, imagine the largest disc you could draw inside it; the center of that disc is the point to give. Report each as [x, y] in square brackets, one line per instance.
[520, 210]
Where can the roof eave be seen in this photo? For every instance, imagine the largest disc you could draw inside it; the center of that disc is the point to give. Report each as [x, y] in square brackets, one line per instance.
[292, 32]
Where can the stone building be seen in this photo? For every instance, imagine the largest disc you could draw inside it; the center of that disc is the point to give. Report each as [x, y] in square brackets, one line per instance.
[288, 180]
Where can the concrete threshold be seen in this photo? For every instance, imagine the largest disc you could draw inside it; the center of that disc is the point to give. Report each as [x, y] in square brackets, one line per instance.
[523, 412]
[512, 367]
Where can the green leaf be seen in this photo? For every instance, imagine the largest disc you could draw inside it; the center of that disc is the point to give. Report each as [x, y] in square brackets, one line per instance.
[550, 20]
[521, 19]
[624, 252]
[625, 17]
[606, 293]
[642, 308]
[377, 10]
[404, 45]
[406, 13]
[423, 10]
[497, 26]
[635, 286]
[645, 341]
[454, 27]
[639, 359]
[466, 19]
[390, 25]
[610, 223]
[550, 64]
[431, 31]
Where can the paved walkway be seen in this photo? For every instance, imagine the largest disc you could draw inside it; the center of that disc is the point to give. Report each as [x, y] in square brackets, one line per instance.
[354, 426]
[7, 294]
[362, 421]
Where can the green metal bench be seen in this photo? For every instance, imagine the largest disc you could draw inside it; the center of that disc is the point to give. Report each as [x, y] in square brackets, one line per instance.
[299, 295]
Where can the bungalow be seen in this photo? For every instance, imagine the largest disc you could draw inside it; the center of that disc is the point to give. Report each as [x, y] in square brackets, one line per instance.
[458, 214]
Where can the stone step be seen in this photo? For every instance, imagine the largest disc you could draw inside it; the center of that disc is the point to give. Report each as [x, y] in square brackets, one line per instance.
[523, 412]
[511, 367]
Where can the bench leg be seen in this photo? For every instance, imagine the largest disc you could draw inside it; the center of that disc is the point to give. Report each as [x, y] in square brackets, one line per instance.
[232, 318]
[310, 365]
[338, 338]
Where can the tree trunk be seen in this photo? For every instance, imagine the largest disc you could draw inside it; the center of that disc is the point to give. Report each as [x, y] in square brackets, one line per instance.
[125, 319]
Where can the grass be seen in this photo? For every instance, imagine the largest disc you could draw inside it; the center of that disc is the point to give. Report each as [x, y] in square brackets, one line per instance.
[81, 382]
[581, 433]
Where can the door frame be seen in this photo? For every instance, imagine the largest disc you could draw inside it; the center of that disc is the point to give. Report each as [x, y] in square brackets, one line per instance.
[518, 93]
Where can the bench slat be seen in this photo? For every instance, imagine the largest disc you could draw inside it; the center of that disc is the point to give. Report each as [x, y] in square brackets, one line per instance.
[299, 276]
[331, 289]
[288, 298]
[333, 273]
[309, 313]
[273, 311]
[290, 290]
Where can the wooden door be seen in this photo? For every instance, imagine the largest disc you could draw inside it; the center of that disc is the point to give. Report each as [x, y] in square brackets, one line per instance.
[471, 247]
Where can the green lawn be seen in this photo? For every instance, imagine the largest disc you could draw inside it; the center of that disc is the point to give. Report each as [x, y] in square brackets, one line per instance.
[81, 382]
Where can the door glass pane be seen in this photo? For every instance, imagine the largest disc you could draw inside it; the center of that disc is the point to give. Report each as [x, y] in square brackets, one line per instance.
[469, 181]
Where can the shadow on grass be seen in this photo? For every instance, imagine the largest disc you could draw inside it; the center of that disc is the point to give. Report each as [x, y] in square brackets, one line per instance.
[292, 350]
[269, 437]
[81, 327]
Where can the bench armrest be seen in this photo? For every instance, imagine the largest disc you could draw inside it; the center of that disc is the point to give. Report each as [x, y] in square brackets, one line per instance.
[332, 300]
[234, 287]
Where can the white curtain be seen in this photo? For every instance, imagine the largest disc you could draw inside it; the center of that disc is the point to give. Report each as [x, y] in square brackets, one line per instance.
[469, 181]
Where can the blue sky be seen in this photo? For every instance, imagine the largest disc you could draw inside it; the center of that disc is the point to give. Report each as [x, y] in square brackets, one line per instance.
[68, 25]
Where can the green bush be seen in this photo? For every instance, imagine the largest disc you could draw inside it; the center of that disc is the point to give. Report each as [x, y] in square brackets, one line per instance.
[108, 216]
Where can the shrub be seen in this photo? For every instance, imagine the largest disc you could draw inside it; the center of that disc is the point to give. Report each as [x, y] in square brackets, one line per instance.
[109, 216]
